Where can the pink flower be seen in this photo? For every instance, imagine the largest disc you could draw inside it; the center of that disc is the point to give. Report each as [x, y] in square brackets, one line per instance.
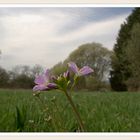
[80, 72]
[43, 82]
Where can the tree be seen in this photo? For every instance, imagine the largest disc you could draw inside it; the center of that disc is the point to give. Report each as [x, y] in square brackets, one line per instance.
[132, 53]
[58, 68]
[23, 81]
[120, 72]
[21, 77]
[4, 78]
[95, 56]
[25, 70]
[36, 70]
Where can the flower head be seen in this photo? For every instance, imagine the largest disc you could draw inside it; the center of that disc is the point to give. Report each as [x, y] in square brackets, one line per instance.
[66, 74]
[62, 81]
[80, 72]
[43, 82]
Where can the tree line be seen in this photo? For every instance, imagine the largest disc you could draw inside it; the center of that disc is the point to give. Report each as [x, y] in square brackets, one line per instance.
[19, 76]
[91, 54]
[119, 68]
[125, 73]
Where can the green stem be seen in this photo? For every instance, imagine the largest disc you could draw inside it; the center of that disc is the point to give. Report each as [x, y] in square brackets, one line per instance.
[72, 86]
[75, 111]
[74, 83]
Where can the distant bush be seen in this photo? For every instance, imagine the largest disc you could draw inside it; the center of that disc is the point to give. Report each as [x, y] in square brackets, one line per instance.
[4, 78]
[19, 77]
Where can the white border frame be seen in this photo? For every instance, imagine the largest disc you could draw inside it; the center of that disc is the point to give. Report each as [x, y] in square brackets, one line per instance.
[70, 1]
[68, 136]
[68, 5]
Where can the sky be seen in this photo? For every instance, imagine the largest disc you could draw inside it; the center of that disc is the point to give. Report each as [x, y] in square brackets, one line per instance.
[47, 35]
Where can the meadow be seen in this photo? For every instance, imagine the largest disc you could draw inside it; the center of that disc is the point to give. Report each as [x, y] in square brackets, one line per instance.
[20, 111]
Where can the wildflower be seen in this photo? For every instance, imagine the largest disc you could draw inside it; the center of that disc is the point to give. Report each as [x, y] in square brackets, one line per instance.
[43, 82]
[66, 74]
[80, 72]
[63, 81]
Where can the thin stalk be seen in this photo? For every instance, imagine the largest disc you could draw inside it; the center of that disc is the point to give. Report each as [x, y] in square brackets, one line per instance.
[75, 111]
[74, 83]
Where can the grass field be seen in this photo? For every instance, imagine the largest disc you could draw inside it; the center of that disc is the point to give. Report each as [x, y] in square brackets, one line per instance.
[100, 112]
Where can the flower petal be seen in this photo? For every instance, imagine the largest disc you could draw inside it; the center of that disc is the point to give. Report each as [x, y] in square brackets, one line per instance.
[73, 67]
[53, 78]
[66, 74]
[47, 75]
[40, 79]
[40, 88]
[51, 85]
[85, 70]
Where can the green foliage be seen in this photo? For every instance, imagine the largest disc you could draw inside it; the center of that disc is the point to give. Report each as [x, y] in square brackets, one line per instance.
[94, 84]
[100, 111]
[132, 53]
[20, 118]
[62, 83]
[59, 68]
[19, 76]
[4, 78]
[23, 81]
[96, 57]
[120, 72]
[91, 54]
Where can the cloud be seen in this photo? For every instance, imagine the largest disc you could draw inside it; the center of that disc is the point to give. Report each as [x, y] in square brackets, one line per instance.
[46, 38]
[95, 30]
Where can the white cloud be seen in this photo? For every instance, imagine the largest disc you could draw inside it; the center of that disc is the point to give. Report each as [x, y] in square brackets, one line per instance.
[36, 38]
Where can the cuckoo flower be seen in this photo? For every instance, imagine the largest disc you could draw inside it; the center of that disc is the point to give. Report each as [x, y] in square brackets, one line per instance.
[66, 74]
[43, 82]
[62, 81]
[80, 72]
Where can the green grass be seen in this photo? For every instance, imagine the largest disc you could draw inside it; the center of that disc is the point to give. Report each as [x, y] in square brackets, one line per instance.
[20, 111]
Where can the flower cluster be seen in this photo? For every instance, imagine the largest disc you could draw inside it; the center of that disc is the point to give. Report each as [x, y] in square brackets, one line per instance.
[47, 82]
[62, 82]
